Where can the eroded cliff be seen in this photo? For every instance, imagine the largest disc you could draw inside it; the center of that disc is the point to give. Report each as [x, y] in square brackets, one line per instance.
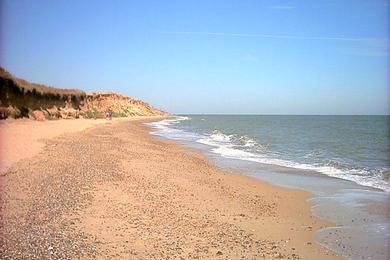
[20, 98]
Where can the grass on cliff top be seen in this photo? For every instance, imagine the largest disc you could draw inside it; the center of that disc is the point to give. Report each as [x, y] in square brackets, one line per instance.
[25, 86]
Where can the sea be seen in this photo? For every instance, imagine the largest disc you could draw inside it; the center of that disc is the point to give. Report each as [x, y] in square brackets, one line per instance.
[342, 160]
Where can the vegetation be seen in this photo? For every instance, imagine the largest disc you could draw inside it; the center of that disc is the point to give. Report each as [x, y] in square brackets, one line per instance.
[18, 97]
[93, 113]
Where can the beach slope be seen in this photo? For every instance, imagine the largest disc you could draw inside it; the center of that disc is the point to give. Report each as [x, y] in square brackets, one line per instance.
[113, 191]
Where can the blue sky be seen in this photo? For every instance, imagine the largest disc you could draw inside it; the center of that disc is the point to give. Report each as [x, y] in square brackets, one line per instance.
[240, 57]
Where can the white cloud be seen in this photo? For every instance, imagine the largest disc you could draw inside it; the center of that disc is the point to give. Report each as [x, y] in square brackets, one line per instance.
[360, 46]
[259, 35]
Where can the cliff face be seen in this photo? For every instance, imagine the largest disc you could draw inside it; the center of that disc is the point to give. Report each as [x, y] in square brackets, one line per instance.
[19, 98]
[119, 105]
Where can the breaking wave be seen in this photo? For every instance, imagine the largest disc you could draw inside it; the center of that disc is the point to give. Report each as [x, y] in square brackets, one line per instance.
[243, 147]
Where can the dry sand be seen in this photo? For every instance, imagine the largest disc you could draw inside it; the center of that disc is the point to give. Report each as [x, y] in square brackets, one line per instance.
[70, 190]
[23, 138]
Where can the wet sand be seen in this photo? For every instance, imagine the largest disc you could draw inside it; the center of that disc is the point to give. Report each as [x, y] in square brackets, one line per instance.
[114, 191]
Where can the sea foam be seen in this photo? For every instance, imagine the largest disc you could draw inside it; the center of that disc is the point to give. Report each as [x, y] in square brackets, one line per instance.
[243, 147]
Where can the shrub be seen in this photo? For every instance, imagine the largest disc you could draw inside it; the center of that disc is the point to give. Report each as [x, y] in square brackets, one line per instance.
[93, 113]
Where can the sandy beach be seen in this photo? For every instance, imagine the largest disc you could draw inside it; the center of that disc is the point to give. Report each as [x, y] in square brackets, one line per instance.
[108, 189]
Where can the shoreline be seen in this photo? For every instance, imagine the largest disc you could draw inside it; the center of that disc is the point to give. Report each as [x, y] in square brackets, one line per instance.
[359, 215]
[138, 196]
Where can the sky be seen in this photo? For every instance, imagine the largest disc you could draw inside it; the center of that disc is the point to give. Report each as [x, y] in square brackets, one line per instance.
[213, 57]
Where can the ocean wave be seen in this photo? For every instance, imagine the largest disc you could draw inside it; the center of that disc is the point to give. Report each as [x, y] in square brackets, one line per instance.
[233, 140]
[225, 146]
[242, 147]
[249, 142]
[164, 128]
[359, 176]
[165, 123]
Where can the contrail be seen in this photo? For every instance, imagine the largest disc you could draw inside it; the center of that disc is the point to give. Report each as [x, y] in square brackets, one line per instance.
[274, 36]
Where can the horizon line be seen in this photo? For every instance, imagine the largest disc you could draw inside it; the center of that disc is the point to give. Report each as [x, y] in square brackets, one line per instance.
[249, 114]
